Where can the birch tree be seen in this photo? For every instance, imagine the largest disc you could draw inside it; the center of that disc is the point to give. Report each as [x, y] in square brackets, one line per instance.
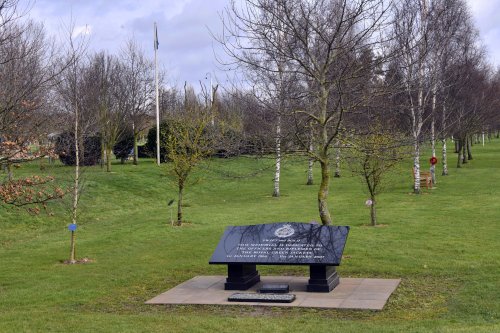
[321, 39]
[450, 28]
[412, 29]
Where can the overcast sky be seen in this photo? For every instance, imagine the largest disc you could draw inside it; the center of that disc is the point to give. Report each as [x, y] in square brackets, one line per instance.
[186, 48]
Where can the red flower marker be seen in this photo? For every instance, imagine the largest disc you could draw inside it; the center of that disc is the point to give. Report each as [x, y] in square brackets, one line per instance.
[433, 160]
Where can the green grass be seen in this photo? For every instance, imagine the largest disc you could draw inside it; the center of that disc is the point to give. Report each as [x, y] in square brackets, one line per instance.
[443, 244]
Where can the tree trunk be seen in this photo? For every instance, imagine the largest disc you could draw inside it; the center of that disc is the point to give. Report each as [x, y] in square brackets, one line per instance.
[416, 166]
[10, 173]
[72, 254]
[433, 130]
[445, 159]
[276, 192]
[324, 213]
[464, 150]
[373, 212]
[103, 153]
[179, 204]
[459, 151]
[469, 153]
[136, 149]
[417, 117]
[433, 138]
[337, 160]
[433, 134]
[76, 184]
[457, 145]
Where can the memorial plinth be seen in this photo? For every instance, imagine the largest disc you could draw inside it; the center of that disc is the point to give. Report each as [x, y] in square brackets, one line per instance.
[244, 247]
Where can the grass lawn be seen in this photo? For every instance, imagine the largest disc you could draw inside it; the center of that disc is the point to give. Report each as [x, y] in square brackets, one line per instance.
[443, 244]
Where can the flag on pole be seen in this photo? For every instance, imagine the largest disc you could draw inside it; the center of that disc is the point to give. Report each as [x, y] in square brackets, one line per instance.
[157, 99]
[156, 38]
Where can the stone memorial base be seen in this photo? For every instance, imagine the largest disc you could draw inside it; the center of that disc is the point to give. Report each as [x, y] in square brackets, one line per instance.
[241, 276]
[274, 288]
[323, 278]
[351, 293]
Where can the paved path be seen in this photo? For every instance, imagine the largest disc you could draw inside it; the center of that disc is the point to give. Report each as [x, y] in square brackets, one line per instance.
[369, 294]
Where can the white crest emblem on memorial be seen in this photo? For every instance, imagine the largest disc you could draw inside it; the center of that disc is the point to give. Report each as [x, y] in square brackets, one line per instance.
[285, 231]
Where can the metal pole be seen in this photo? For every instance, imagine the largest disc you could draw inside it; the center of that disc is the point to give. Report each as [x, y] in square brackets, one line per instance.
[157, 104]
[211, 99]
[211, 91]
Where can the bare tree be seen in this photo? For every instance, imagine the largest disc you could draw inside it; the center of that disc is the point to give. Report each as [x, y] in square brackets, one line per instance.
[451, 28]
[412, 29]
[110, 100]
[71, 97]
[11, 14]
[276, 93]
[30, 66]
[139, 89]
[319, 41]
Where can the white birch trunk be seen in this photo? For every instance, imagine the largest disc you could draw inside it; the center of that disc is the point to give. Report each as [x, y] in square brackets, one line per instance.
[417, 125]
[445, 159]
[417, 116]
[433, 144]
[444, 151]
[433, 130]
[416, 165]
[276, 192]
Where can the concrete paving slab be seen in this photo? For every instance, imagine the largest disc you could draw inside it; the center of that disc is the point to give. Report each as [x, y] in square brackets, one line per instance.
[352, 293]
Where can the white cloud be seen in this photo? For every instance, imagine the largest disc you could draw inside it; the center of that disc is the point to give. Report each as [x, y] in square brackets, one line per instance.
[486, 14]
[83, 30]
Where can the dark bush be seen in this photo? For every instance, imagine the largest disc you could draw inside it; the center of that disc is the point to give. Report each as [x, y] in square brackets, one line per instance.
[165, 131]
[150, 145]
[144, 152]
[124, 147]
[65, 148]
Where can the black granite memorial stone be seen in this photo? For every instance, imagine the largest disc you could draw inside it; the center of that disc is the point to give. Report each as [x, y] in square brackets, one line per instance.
[244, 247]
[274, 288]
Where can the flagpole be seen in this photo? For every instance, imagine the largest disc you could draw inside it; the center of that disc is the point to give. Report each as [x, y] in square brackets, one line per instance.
[157, 98]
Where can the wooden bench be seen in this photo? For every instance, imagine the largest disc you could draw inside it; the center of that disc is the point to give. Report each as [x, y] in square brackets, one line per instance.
[425, 178]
